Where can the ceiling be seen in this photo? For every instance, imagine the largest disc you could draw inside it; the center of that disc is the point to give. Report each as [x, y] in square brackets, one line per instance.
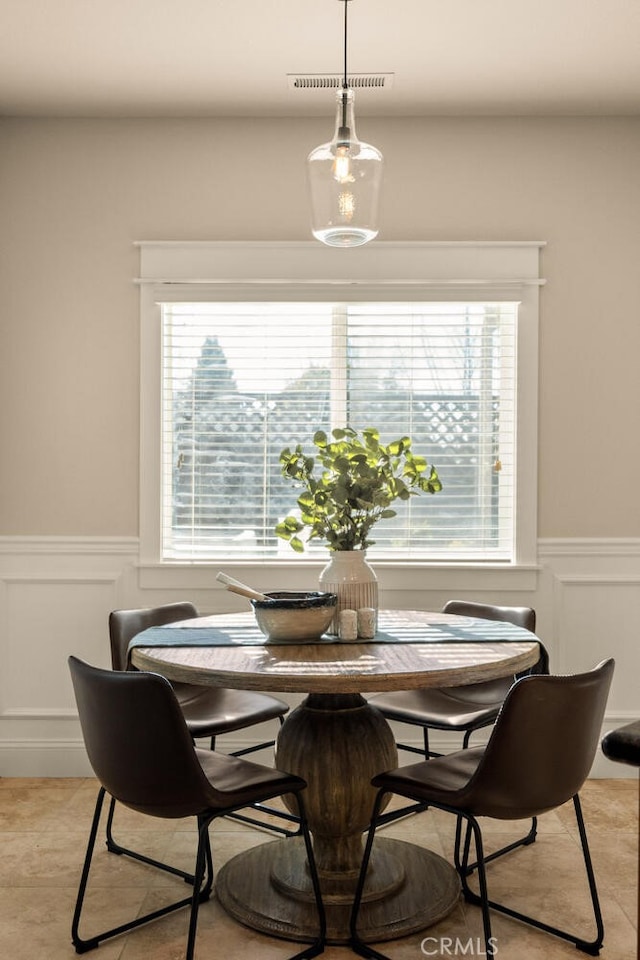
[204, 58]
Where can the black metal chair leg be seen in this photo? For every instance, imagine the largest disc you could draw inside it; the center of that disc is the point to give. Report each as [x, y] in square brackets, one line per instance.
[474, 827]
[200, 893]
[79, 944]
[460, 860]
[114, 847]
[272, 827]
[525, 841]
[202, 887]
[318, 945]
[83, 945]
[357, 945]
[591, 947]
[386, 818]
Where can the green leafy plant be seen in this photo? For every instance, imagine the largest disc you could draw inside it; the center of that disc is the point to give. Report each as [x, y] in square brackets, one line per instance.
[357, 480]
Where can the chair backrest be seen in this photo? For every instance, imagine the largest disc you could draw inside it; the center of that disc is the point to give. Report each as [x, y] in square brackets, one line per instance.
[520, 616]
[137, 741]
[543, 744]
[125, 624]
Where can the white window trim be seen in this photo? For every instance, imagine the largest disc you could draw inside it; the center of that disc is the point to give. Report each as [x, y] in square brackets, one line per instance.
[216, 270]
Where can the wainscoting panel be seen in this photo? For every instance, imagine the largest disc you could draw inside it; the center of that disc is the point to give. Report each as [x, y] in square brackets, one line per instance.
[598, 617]
[49, 620]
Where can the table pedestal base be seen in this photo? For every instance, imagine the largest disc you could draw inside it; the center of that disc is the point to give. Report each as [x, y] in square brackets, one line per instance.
[268, 889]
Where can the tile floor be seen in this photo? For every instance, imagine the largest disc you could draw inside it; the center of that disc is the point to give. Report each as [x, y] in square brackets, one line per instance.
[43, 830]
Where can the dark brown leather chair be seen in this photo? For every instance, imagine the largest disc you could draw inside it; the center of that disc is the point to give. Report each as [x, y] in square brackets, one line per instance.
[460, 709]
[208, 711]
[526, 769]
[142, 753]
[623, 746]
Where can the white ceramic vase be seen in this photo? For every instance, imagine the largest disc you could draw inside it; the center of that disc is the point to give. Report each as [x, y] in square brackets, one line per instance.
[353, 580]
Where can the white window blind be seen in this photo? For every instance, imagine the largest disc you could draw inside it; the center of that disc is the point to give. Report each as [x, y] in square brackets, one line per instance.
[242, 380]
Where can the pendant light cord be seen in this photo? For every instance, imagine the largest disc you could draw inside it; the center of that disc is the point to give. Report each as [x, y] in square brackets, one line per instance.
[344, 81]
[345, 84]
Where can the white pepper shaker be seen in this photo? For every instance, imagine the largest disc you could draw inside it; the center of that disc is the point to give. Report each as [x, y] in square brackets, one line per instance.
[367, 623]
[348, 625]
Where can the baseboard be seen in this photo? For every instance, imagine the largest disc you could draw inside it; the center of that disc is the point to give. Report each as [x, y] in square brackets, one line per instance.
[33, 758]
[67, 758]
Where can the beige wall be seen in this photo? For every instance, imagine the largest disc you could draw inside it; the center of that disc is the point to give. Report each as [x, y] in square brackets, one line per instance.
[75, 194]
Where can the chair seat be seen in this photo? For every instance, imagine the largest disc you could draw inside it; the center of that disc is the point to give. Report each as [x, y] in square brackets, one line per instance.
[436, 779]
[239, 782]
[449, 708]
[210, 711]
[623, 744]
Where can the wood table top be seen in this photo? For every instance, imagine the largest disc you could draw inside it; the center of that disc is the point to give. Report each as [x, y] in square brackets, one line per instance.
[363, 667]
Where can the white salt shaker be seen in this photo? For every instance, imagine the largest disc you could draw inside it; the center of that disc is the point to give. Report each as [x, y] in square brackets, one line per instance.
[348, 625]
[367, 623]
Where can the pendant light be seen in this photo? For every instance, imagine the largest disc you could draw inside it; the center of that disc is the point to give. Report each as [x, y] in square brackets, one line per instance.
[344, 177]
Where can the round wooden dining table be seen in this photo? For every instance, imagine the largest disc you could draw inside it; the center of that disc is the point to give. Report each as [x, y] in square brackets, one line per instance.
[337, 742]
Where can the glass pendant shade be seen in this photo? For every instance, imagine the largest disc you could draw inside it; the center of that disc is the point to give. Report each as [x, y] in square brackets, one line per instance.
[344, 179]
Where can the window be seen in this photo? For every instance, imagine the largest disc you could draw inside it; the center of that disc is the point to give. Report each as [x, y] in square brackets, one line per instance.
[243, 380]
[246, 366]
